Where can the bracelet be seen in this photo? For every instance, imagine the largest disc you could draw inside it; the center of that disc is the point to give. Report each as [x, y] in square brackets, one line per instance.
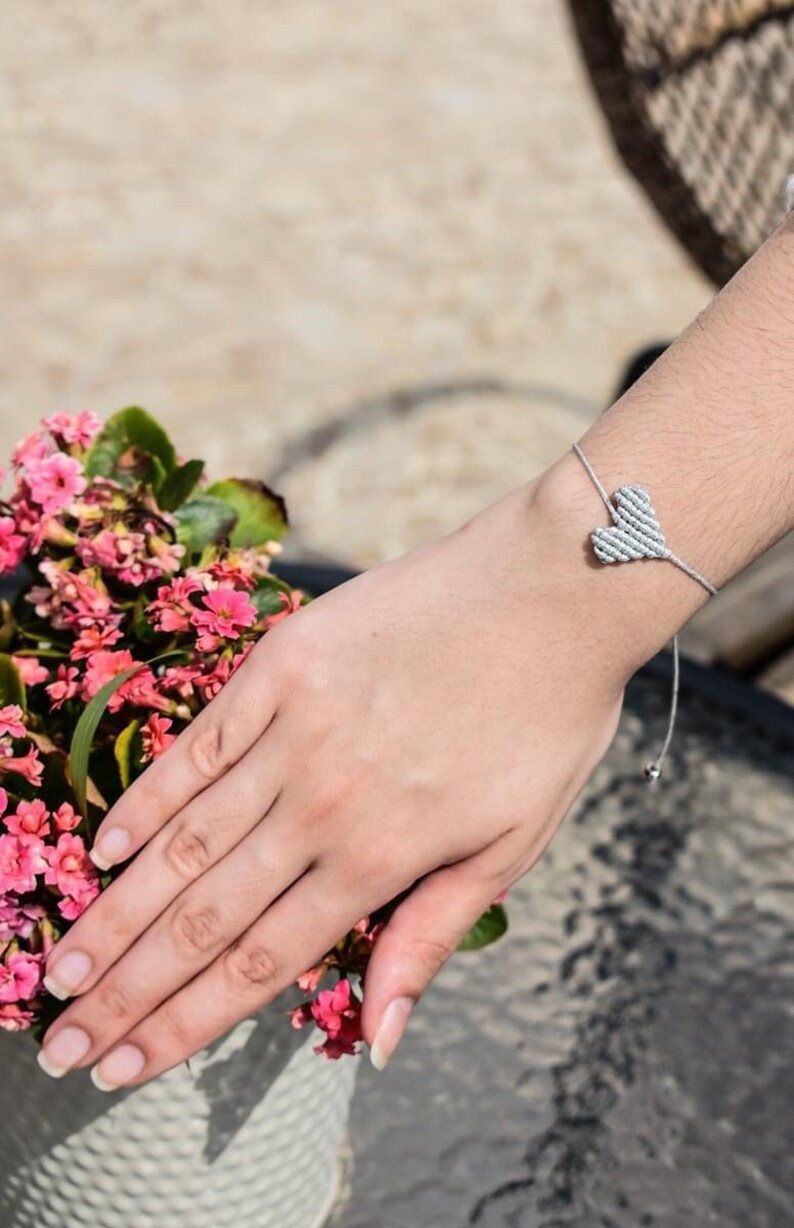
[635, 533]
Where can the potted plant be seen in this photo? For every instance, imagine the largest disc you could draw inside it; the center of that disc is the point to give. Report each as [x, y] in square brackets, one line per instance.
[119, 553]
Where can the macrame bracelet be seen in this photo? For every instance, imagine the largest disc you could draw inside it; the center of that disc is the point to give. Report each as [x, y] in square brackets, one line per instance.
[635, 533]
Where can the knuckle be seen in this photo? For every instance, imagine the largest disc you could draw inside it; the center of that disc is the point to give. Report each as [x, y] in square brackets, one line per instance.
[427, 951]
[171, 1023]
[250, 970]
[377, 867]
[187, 852]
[195, 929]
[113, 1001]
[433, 952]
[207, 751]
[364, 867]
[302, 659]
[116, 927]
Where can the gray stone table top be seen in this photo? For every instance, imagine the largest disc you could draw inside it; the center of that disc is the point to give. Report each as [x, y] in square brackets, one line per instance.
[624, 1058]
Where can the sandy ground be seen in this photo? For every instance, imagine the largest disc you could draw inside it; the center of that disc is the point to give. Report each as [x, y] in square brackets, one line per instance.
[256, 218]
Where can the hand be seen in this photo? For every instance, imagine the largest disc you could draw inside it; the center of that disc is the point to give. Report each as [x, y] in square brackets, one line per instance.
[431, 720]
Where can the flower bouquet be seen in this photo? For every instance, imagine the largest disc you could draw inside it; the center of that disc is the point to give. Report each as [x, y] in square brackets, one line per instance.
[133, 591]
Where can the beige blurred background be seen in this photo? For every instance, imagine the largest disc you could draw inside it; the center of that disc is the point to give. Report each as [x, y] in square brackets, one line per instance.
[259, 219]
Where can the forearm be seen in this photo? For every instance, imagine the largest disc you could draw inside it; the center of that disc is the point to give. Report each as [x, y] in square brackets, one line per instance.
[709, 430]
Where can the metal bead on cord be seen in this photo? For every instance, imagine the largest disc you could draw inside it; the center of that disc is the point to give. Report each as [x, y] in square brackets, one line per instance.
[635, 533]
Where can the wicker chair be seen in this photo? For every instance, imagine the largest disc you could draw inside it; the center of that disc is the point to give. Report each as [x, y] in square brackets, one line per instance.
[699, 96]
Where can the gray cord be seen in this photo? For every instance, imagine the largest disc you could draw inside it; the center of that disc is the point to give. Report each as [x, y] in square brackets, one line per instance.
[637, 534]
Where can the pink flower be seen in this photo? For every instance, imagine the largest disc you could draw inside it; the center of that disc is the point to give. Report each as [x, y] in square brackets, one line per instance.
[226, 613]
[20, 862]
[168, 555]
[155, 736]
[180, 678]
[20, 977]
[291, 603]
[94, 639]
[210, 684]
[32, 448]
[66, 818]
[173, 608]
[120, 552]
[72, 600]
[301, 1015]
[11, 725]
[66, 686]
[69, 867]
[30, 521]
[142, 689]
[103, 666]
[73, 906]
[31, 820]
[338, 1012]
[30, 670]
[229, 574]
[14, 1018]
[79, 428]
[207, 644]
[3, 801]
[12, 544]
[55, 481]
[309, 981]
[28, 766]
[18, 920]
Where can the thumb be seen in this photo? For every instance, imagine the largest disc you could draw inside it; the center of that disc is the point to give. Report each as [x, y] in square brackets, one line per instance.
[422, 933]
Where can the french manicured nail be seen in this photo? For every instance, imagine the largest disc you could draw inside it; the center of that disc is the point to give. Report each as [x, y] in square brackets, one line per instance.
[118, 1068]
[390, 1030]
[64, 1051]
[110, 847]
[68, 974]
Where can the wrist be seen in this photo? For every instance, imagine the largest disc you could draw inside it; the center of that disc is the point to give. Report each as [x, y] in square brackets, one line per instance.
[626, 612]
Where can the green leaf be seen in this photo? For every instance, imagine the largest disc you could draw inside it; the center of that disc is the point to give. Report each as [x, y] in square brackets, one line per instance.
[179, 485]
[265, 595]
[203, 521]
[122, 750]
[129, 434]
[154, 474]
[261, 514]
[8, 625]
[491, 925]
[12, 688]
[83, 737]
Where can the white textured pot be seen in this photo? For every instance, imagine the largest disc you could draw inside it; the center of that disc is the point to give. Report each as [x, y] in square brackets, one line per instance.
[249, 1136]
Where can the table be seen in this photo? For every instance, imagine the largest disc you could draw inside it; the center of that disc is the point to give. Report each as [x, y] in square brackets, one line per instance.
[624, 1058]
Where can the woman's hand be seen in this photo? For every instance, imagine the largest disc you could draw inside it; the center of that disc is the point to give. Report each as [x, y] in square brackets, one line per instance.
[431, 720]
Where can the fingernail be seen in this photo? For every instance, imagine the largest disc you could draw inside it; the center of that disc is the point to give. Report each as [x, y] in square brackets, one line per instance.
[110, 847]
[68, 974]
[390, 1030]
[118, 1068]
[63, 1051]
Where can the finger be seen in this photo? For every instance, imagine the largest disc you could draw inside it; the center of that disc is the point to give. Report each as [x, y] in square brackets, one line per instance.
[294, 934]
[201, 924]
[188, 846]
[420, 936]
[217, 739]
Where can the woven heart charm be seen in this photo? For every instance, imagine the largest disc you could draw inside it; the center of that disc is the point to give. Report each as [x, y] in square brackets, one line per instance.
[635, 533]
